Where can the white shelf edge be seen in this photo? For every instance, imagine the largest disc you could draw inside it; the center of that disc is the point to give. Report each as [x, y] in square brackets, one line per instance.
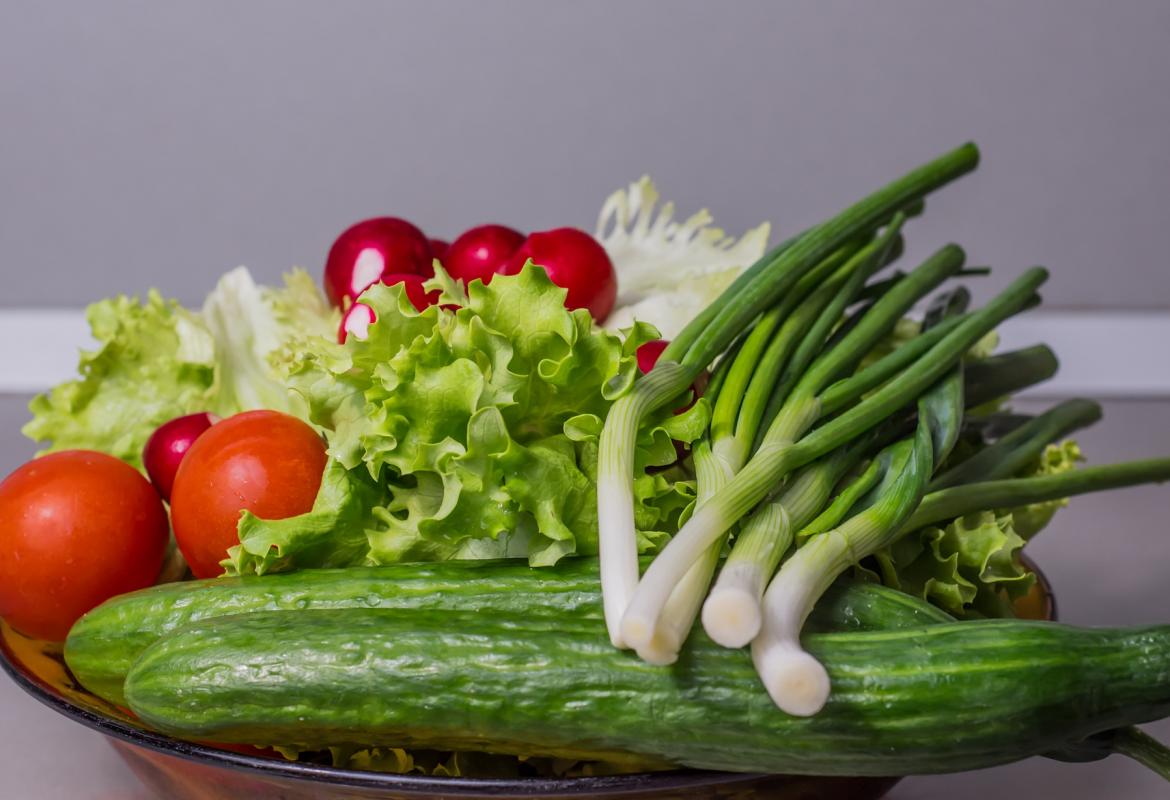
[1103, 354]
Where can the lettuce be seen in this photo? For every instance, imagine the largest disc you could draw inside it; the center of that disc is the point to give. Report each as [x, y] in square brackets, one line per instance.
[156, 361]
[469, 433]
[971, 566]
[668, 271]
[1056, 458]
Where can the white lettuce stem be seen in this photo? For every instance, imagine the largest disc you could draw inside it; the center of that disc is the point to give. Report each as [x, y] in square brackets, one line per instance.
[617, 535]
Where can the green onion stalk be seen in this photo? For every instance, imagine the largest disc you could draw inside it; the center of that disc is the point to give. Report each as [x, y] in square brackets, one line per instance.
[707, 337]
[1014, 451]
[958, 501]
[738, 407]
[889, 492]
[784, 448]
[731, 614]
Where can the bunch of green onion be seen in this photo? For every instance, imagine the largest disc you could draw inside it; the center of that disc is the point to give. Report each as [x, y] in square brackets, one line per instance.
[814, 460]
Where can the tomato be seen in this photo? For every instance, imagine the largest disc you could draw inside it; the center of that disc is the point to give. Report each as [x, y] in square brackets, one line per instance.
[370, 250]
[574, 260]
[481, 252]
[76, 528]
[260, 461]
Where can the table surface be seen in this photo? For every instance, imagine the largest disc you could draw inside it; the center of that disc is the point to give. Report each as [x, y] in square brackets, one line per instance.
[1107, 558]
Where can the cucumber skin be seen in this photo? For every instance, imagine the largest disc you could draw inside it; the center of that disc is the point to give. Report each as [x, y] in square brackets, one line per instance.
[943, 698]
[104, 643]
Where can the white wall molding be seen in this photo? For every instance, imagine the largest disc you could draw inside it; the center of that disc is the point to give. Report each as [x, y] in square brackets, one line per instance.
[1103, 354]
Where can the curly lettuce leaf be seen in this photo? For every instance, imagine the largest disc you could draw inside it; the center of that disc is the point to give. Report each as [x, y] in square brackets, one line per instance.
[333, 534]
[154, 361]
[668, 271]
[969, 567]
[478, 427]
[1056, 458]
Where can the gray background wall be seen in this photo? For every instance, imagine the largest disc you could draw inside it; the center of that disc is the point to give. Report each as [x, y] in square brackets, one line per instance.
[144, 143]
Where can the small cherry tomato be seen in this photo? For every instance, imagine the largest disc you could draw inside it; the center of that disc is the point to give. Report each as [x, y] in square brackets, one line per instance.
[260, 461]
[76, 528]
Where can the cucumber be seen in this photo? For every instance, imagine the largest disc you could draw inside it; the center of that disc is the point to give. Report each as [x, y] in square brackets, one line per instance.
[942, 698]
[105, 642]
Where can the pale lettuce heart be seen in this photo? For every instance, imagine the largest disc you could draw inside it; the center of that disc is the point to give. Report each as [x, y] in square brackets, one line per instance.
[668, 271]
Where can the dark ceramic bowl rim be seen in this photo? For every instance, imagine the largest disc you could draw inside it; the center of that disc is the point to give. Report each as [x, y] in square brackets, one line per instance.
[421, 785]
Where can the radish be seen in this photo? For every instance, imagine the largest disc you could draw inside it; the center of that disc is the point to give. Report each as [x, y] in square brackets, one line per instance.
[168, 444]
[356, 322]
[575, 261]
[358, 319]
[480, 252]
[371, 250]
[439, 248]
[648, 355]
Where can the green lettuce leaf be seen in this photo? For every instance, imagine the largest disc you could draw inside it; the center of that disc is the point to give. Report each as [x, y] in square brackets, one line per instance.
[156, 361]
[969, 567]
[476, 427]
[255, 329]
[1056, 458]
[668, 271]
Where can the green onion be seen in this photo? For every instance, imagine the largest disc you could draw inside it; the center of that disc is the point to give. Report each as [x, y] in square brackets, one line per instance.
[893, 487]
[957, 501]
[779, 454]
[1017, 449]
[705, 338]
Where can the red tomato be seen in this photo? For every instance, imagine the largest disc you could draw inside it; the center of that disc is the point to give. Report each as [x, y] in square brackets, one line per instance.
[370, 250]
[260, 461]
[76, 528]
[574, 260]
[481, 252]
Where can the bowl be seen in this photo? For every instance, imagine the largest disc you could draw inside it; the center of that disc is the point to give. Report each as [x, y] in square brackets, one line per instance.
[181, 770]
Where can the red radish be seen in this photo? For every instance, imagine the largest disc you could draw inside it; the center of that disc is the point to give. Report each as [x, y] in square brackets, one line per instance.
[357, 321]
[481, 252]
[360, 317]
[574, 260]
[648, 355]
[166, 447]
[370, 251]
[419, 297]
[439, 248]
